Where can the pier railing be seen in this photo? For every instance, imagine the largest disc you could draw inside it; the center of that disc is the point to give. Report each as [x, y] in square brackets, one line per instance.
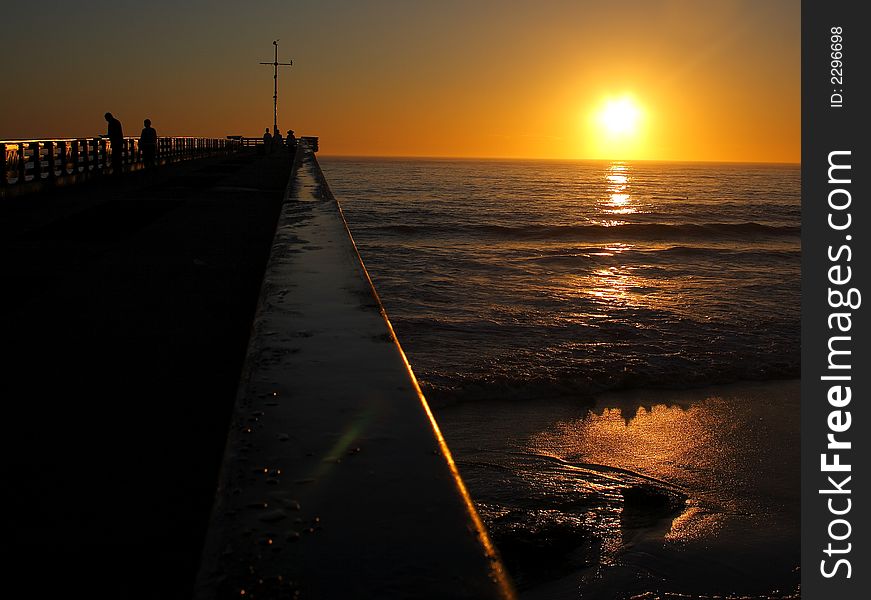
[35, 163]
[251, 142]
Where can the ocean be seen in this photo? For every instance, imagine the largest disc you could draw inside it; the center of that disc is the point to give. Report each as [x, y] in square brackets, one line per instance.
[611, 350]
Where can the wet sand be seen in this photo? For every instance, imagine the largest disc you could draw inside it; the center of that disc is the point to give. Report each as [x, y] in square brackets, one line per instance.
[721, 464]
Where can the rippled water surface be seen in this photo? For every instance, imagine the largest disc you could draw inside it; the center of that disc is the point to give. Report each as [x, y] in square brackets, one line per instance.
[536, 278]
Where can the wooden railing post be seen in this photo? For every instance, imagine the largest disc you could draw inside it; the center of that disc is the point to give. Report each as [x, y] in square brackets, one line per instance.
[63, 157]
[86, 156]
[37, 161]
[4, 174]
[49, 155]
[22, 162]
[104, 154]
[74, 151]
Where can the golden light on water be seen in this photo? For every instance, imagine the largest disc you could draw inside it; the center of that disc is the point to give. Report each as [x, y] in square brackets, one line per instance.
[654, 441]
[619, 198]
[611, 284]
[706, 445]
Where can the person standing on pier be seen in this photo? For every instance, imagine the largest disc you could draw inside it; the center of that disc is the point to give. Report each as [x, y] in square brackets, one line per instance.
[277, 141]
[148, 145]
[267, 141]
[116, 138]
[291, 140]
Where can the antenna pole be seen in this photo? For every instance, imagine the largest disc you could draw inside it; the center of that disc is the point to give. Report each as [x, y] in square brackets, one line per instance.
[275, 90]
[275, 64]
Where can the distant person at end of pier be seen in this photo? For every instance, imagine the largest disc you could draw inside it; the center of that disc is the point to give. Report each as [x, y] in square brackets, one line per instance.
[116, 138]
[148, 145]
[291, 140]
[267, 141]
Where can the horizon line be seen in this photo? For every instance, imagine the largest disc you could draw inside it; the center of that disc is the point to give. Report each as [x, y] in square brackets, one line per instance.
[453, 157]
[556, 159]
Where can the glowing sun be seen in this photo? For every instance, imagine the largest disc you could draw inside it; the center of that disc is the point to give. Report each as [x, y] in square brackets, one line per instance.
[620, 117]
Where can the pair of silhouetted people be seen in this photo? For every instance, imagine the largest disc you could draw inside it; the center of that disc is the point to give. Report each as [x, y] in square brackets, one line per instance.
[147, 144]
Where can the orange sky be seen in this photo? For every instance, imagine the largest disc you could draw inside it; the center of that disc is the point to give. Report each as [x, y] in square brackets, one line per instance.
[715, 80]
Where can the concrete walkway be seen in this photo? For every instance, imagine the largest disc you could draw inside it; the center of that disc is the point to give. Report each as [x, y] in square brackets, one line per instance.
[336, 481]
[126, 310]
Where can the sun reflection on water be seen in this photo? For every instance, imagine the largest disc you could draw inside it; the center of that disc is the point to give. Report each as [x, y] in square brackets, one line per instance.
[619, 200]
[710, 449]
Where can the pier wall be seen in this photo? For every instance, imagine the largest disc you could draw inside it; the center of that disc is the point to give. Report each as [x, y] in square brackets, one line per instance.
[126, 315]
[336, 482]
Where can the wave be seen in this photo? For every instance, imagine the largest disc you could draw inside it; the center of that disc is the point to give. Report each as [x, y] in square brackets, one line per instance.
[445, 388]
[667, 254]
[633, 231]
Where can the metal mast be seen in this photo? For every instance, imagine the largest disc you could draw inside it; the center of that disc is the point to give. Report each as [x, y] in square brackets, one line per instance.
[275, 64]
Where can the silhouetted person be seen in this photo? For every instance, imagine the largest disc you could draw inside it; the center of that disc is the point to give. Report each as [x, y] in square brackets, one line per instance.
[148, 145]
[267, 141]
[291, 140]
[277, 141]
[116, 138]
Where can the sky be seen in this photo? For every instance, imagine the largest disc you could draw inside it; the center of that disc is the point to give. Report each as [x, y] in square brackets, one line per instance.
[706, 80]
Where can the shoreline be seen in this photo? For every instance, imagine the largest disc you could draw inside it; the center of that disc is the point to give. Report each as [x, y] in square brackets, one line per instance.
[742, 506]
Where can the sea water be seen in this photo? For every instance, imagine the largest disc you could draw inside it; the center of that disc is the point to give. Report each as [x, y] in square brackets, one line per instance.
[567, 320]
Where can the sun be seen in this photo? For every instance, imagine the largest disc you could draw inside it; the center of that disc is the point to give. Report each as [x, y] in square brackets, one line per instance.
[617, 127]
[619, 117]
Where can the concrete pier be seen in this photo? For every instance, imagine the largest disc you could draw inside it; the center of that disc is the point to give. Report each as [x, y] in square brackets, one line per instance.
[135, 386]
[336, 481]
[127, 305]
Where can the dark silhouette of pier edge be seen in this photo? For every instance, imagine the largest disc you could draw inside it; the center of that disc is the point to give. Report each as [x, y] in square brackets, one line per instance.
[126, 310]
[146, 320]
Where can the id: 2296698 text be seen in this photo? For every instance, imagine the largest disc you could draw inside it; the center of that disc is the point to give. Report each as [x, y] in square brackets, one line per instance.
[836, 100]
